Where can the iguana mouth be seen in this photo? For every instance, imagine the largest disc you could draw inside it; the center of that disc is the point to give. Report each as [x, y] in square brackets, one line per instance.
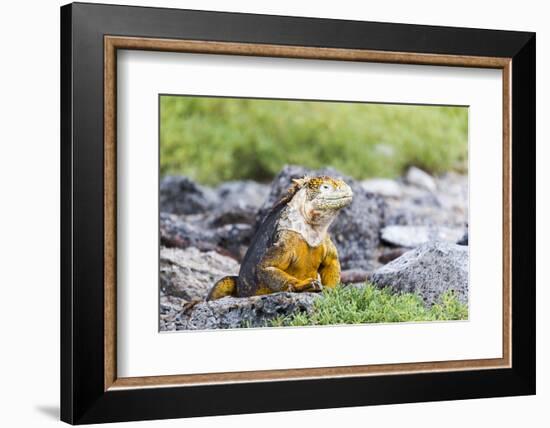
[334, 201]
[336, 198]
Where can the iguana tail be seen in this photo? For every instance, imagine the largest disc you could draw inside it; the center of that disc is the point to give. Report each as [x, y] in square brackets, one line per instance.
[227, 286]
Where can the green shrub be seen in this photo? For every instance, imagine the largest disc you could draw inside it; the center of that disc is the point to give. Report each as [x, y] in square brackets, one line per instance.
[217, 139]
[369, 304]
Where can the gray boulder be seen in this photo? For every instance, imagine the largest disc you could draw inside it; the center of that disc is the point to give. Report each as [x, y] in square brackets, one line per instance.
[356, 230]
[383, 187]
[183, 232]
[416, 213]
[181, 195]
[170, 308]
[176, 231]
[234, 238]
[413, 236]
[231, 312]
[429, 270]
[447, 206]
[224, 215]
[239, 202]
[189, 273]
[419, 178]
[245, 194]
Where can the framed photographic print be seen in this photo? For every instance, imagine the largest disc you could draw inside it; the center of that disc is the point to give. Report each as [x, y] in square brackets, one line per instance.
[265, 213]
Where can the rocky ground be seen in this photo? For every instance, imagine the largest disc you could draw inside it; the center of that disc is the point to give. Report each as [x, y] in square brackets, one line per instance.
[408, 234]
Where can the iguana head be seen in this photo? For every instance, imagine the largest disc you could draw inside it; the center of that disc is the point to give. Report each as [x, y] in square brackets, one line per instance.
[311, 204]
[319, 199]
[325, 193]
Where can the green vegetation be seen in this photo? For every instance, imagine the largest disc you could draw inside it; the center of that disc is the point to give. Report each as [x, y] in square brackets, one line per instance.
[217, 139]
[369, 304]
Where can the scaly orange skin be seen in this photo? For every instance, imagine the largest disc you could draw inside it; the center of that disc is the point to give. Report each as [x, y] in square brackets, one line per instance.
[292, 265]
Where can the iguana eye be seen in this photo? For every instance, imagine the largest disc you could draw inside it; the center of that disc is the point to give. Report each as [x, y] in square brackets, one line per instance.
[325, 187]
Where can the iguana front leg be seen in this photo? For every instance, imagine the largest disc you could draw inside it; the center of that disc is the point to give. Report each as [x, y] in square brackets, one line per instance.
[278, 280]
[330, 266]
[272, 270]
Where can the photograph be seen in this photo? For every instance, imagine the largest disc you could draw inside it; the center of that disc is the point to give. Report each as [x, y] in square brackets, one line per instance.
[297, 213]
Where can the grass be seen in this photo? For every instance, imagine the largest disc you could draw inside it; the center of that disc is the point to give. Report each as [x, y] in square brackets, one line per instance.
[369, 304]
[217, 139]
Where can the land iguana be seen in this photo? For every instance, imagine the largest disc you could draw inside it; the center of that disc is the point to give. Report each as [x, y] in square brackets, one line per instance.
[292, 250]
